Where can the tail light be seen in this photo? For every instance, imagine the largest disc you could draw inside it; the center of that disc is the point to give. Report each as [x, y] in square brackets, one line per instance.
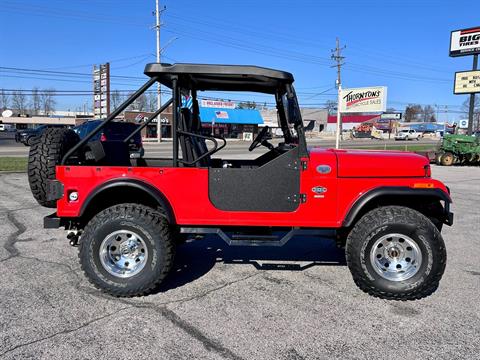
[103, 137]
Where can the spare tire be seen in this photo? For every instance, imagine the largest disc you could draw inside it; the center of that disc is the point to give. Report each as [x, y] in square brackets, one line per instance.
[45, 154]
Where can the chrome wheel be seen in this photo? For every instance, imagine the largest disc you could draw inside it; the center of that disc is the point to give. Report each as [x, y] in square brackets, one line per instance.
[123, 253]
[396, 257]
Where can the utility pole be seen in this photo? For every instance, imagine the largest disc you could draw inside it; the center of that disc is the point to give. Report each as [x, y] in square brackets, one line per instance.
[158, 12]
[338, 58]
[472, 100]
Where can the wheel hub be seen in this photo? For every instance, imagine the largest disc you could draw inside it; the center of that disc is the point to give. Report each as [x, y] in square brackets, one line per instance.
[395, 257]
[123, 253]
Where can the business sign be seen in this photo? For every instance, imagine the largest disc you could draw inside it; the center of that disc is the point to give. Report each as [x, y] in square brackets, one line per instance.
[218, 104]
[463, 124]
[391, 116]
[467, 82]
[465, 42]
[369, 99]
[101, 90]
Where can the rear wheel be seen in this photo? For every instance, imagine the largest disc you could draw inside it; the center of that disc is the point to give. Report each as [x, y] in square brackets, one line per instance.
[447, 159]
[127, 250]
[396, 253]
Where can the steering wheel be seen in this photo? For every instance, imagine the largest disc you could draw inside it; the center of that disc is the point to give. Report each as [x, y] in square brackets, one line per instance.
[262, 136]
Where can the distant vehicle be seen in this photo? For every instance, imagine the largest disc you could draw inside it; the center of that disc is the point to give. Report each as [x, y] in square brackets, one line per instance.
[408, 134]
[27, 136]
[7, 127]
[113, 132]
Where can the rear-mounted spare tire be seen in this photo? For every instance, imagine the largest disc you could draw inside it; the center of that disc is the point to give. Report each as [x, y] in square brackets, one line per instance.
[45, 154]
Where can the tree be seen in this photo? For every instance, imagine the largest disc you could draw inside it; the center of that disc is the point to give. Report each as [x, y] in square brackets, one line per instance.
[429, 114]
[152, 102]
[4, 100]
[413, 112]
[331, 107]
[47, 101]
[141, 103]
[35, 101]
[116, 99]
[465, 108]
[19, 101]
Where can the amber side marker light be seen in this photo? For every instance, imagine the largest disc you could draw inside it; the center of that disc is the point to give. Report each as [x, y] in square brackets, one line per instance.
[423, 186]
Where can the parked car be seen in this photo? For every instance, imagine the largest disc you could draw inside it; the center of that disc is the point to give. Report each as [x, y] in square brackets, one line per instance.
[26, 136]
[408, 134]
[114, 131]
[7, 127]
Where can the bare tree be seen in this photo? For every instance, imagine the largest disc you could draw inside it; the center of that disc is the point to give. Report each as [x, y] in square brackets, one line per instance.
[152, 102]
[116, 99]
[141, 103]
[47, 101]
[19, 101]
[331, 107]
[35, 101]
[4, 100]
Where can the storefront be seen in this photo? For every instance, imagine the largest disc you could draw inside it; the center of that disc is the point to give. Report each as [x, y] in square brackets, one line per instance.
[230, 123]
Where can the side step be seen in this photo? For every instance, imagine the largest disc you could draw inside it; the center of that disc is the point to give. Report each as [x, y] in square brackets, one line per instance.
[256, 240]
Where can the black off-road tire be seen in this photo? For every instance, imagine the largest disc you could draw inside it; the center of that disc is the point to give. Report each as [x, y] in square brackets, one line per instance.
[151, 225]
[401, 220]
[46, 152]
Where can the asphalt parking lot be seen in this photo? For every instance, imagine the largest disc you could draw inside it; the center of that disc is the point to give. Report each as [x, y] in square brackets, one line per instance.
[295, 302]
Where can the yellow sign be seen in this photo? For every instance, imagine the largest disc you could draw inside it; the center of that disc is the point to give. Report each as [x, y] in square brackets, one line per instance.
[467, 82]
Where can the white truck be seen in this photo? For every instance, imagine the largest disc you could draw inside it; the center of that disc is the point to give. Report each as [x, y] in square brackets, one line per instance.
[408, 134]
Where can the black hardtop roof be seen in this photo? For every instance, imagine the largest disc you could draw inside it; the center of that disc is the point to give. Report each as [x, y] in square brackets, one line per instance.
[221, 77]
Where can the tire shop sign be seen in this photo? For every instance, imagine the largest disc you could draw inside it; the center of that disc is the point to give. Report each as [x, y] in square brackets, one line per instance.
[465, 42]
[359, 100]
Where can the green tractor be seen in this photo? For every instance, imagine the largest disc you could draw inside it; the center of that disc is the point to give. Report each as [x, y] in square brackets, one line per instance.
[459, 150]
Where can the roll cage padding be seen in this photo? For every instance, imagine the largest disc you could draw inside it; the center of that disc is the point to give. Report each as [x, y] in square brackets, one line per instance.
[138, 184]
[399, 191]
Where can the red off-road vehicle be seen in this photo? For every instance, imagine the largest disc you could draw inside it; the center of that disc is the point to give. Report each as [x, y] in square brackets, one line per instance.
[129, 214]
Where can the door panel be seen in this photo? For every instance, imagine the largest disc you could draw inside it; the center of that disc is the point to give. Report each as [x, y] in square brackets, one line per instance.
[273, 187]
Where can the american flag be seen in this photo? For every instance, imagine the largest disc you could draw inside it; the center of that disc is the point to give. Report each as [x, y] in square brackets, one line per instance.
[221, 114]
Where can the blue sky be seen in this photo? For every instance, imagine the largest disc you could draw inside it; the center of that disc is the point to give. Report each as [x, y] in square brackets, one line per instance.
[402, 44]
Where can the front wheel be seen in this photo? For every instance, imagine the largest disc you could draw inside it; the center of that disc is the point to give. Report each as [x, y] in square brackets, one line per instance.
[396, 253]
[127, 250]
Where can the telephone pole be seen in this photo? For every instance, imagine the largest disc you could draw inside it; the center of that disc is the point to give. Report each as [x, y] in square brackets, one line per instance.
[158, 12]
[338, 58]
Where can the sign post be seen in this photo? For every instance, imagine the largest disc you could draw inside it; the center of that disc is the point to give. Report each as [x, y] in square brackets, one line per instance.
[101, 91]
[466, 42]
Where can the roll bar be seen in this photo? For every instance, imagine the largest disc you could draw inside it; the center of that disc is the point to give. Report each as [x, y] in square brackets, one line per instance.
[112, 116]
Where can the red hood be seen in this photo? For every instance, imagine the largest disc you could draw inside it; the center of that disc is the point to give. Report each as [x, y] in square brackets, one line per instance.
[373, 163]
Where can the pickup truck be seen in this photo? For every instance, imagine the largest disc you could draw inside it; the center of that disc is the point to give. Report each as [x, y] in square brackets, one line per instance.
[408, 134]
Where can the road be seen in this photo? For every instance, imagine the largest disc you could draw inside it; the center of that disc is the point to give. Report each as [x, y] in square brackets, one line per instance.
[220, 302]
[9, 147]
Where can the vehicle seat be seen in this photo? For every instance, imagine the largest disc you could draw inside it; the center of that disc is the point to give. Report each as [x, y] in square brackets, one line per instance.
[192, 147]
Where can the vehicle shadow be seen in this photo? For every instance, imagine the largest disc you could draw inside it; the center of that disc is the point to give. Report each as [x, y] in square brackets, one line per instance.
[196, 258]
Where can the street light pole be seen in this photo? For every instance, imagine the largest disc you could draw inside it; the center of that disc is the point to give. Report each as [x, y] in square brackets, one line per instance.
[337, 56]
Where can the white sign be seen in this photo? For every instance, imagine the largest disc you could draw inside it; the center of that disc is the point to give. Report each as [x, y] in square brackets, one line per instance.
[391, 116]
[467, 82]
[463, 124]
[218, 104]
[369, 99]
[465, 42]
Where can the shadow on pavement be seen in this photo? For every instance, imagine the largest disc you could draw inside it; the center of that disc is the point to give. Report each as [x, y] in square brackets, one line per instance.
[196, 258]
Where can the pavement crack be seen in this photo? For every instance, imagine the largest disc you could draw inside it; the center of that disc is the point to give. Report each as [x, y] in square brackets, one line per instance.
[63, 332]
[13, 237]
